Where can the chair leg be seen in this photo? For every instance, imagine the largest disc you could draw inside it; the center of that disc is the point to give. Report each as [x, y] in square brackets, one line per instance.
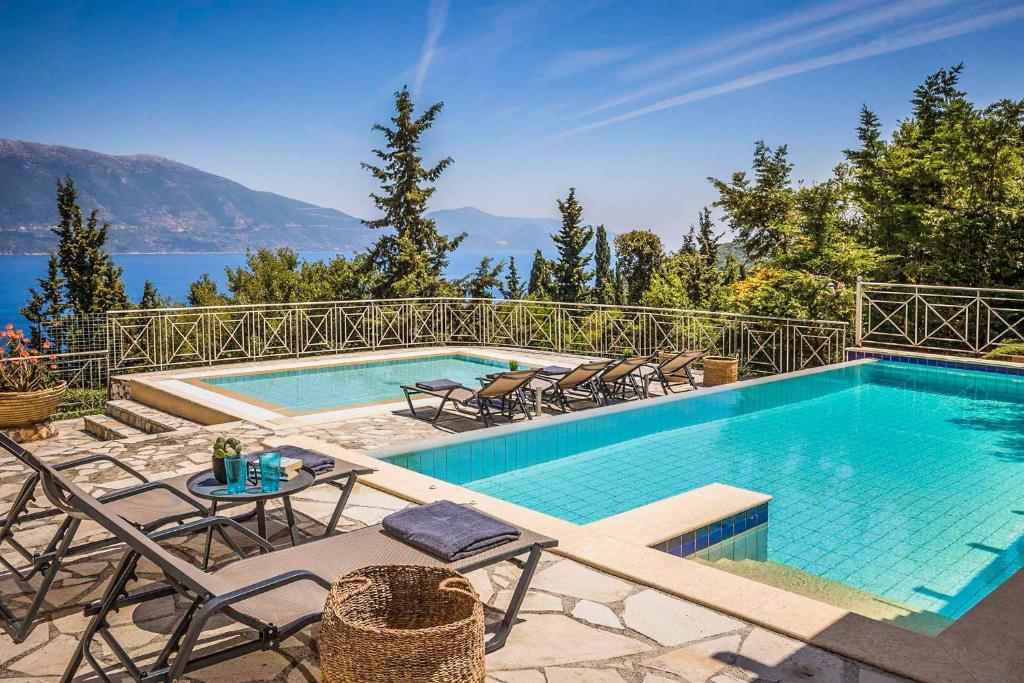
[350, 484]
[14, 514]
[512, 611]
[63, 539]
[408, 399]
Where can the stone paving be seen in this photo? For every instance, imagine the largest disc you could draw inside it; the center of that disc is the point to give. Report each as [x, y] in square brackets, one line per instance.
[577, 624]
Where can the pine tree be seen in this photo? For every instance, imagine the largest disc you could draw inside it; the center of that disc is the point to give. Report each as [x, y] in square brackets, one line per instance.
[484, 280]
[151, 298]
[639, 254]
[513, 287]
[92, 281]
[46, 305]
[604, 279]
[571, 274]
[706, 239]
[541, 284]
[413, 259]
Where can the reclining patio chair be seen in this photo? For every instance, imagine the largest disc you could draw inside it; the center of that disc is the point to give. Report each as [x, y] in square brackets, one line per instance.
[276, 594]
[672, 370]
[148, 505]
[625, 375]
[579, 383]
[501, 394]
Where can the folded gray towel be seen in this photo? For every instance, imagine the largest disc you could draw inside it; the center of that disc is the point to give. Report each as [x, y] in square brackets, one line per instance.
[449, 531]
[318, 463]
[555, 370]
[438, 385]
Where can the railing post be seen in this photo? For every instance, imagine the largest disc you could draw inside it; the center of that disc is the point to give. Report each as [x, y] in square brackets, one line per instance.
[858, 318]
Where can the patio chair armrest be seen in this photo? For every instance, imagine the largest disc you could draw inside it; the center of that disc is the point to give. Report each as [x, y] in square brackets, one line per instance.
[89, 459]
[152, 486]
[266, 586]
[210, 522]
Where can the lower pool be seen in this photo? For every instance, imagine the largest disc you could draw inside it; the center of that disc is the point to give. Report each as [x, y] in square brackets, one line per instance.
[351, 384]
[903, 481]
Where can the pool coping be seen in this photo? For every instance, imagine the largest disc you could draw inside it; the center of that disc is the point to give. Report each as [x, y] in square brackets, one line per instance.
[876, 643]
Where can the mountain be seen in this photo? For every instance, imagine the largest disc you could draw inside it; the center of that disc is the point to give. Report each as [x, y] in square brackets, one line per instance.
[501, 233]
[155, 204]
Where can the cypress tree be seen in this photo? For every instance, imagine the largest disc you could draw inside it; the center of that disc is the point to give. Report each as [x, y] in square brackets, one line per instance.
[541, 284]
[571, 274]
[413, 259]
[151, 298]
[484, 280]
[604, 280]
[706, 239]
[513, 287]
[46, 305]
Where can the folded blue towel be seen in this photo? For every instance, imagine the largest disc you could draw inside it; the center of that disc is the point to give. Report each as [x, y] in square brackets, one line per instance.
[438, 385]
[555, 370]
[449, 531]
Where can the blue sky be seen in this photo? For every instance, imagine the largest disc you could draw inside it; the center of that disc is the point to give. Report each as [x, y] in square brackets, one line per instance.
[634, 103]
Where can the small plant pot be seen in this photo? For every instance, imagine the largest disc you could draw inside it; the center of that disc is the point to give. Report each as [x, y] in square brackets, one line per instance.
[218, 468]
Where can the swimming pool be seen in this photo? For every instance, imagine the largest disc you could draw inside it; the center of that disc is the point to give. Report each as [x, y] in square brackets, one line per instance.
[350, 384]
[903, 481]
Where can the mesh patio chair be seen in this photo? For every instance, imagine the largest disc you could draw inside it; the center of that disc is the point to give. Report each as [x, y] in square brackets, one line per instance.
[276, 595]
[500, 395]
[148, 505]
[625, 375]
[579, 383]
[672, 370]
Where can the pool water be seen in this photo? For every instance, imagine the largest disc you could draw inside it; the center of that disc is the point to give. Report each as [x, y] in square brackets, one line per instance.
[903, 481]
[351, 384]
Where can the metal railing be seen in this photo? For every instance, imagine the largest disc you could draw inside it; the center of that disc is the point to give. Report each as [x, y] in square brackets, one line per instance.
[928, 318]
[159, 339]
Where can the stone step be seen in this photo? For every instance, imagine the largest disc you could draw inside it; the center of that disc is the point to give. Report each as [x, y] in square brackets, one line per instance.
[109, 429]
[146, 419]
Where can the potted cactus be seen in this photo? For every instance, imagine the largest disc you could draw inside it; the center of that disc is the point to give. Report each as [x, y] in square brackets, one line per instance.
[224, 448]
[513, 365]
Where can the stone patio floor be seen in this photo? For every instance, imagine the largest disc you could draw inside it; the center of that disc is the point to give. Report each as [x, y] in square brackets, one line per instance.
[577, 624]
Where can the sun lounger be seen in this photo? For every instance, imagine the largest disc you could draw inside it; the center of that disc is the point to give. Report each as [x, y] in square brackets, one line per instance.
[276, 594]
[501, 394]
[625, 375]
[672, 370]
[578, 383]
[148, 505]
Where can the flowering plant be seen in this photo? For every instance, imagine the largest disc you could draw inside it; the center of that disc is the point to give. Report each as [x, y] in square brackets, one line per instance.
[23, 368]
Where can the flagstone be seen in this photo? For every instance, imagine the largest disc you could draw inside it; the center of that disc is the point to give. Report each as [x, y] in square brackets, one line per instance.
[671, 621]
[771, 656]
[533, 602]
[527, 676]
[596, 613]
[48, 660]
[583, 676]
[555, 639]
[698, 661]
[574, 579]
[258, 666]
[11, 650]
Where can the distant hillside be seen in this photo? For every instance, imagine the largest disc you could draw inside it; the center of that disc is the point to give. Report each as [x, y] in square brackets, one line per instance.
[155, 204]
[505, 233]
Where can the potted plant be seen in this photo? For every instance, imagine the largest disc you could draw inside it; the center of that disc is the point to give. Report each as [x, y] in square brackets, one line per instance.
[513, 365]
[30, 389]
[224, 448]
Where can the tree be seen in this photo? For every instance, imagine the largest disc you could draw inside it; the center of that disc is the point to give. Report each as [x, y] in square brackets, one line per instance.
[92, 282]
[570, 270]
[486, 278]
[705, 239]
[758, 212]
[604, 278]
[46, 305]
[203, 292]
[151, 298]
[639, 254]
[513, 286]
[412, 261]
[541, 278]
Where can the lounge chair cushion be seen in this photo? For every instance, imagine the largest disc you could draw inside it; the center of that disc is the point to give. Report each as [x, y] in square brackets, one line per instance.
[449, 531]
[555, 370]
[438, 385]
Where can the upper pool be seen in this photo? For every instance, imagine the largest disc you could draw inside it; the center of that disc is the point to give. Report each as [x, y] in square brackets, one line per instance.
[903, 481]
[350, 384]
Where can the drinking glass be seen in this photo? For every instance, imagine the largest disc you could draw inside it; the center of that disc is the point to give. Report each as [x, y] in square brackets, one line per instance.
[235, 470]
[270, 472]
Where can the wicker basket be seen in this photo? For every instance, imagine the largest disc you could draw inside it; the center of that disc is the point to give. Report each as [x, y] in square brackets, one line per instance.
[720, 370]
[24, 408]
[396, 623]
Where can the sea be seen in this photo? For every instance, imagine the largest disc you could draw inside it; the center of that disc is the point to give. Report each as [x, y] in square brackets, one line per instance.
[173, 273]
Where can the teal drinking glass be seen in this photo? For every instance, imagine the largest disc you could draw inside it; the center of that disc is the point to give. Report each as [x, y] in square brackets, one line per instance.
[270, 472]
[235, 470]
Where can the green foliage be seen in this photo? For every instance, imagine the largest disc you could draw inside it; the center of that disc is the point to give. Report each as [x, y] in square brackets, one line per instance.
[604, 279]
[151, 298]
[1012, 348]
[944, 197]
[410, 262]
[513, 286]
[23, 367]
[639, 255]
[204, 292]
[46, 305]
[570, 270]
[92, 282]
[782, 293]
[225, 448]
[482, 283]
[541, 284]
[80, 401]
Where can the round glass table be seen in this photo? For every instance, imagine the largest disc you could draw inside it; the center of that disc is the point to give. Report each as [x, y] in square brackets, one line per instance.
[204, 485]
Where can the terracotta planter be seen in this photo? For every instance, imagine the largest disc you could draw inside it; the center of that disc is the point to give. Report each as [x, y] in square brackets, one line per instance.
[24, 408]
[720, 370]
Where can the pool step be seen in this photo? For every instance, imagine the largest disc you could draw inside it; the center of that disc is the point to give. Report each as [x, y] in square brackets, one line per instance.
[108, 428]
[146, 419]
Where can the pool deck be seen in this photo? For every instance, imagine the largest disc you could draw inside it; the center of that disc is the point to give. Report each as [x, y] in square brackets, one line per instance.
[601, 608]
